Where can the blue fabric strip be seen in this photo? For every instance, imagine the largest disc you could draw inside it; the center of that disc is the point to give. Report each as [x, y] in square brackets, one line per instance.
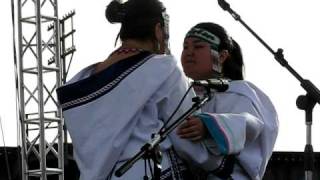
[215, 132]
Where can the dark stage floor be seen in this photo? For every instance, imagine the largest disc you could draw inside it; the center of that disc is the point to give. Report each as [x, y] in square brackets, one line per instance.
[282, 166]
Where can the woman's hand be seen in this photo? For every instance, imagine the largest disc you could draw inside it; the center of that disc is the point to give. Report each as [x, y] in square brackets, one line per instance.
[192, 129]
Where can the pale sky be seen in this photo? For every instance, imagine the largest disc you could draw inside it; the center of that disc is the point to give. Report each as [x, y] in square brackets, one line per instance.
[288, 24]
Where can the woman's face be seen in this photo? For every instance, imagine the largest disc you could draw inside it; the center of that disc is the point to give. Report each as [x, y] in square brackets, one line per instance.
[196, 59]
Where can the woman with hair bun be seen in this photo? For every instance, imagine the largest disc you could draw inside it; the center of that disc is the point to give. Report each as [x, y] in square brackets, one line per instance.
[112, 108]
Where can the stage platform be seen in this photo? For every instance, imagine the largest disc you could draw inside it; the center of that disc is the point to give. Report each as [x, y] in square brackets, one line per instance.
[282, 166]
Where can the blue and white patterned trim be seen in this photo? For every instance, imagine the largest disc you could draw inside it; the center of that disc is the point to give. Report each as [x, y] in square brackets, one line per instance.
[178, 170]
[105, 88]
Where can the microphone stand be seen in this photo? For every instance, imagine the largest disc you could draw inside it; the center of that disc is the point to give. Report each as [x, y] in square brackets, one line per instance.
[304, 102]
[151, 149]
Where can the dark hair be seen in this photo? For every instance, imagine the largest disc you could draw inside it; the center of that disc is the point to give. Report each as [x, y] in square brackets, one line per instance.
[233, 66]
[138, 18]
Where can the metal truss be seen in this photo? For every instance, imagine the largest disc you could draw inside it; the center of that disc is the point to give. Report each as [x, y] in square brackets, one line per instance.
[67, 51]
[39, 74]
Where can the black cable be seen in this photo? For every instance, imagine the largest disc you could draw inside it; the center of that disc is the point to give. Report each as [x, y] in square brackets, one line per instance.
[145, 170]
[111, 172]
[16, 79]
[5, 152]
[14, 50]
[19, 115]
[175, 111]
[150, 168]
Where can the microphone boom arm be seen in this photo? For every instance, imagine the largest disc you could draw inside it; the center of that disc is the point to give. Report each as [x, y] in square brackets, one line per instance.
[303, 102]
[310, 88]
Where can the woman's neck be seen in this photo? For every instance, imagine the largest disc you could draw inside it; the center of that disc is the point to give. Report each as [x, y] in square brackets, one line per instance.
[130, 48]
[145, 45]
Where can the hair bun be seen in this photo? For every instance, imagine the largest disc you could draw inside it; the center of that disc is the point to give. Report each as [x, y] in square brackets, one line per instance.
[115, 12]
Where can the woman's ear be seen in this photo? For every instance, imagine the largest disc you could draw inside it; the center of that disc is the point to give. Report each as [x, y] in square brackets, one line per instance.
[223, 56]
[158, 32]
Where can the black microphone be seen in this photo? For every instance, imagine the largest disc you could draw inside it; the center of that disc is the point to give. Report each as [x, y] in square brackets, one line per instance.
[219, 85]
[224, 5]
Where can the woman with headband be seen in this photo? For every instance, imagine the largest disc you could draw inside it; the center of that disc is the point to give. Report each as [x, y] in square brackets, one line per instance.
[240, 125]
[112, 108]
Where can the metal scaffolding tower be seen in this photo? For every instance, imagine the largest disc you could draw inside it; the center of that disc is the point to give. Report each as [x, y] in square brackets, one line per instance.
[39, 74]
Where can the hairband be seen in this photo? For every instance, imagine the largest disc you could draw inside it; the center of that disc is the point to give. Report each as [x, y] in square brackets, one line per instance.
[206, 36]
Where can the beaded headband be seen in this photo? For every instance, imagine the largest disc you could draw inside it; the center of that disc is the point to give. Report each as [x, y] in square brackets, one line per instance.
[206, 36]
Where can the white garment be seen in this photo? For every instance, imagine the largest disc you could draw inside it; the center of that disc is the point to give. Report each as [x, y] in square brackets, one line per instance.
[250, 113]
[113, 126]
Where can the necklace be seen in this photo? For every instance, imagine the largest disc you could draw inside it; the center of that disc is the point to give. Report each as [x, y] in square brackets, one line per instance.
[127, 50]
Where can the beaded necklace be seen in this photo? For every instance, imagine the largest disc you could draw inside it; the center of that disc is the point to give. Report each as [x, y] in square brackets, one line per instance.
[127, 50]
